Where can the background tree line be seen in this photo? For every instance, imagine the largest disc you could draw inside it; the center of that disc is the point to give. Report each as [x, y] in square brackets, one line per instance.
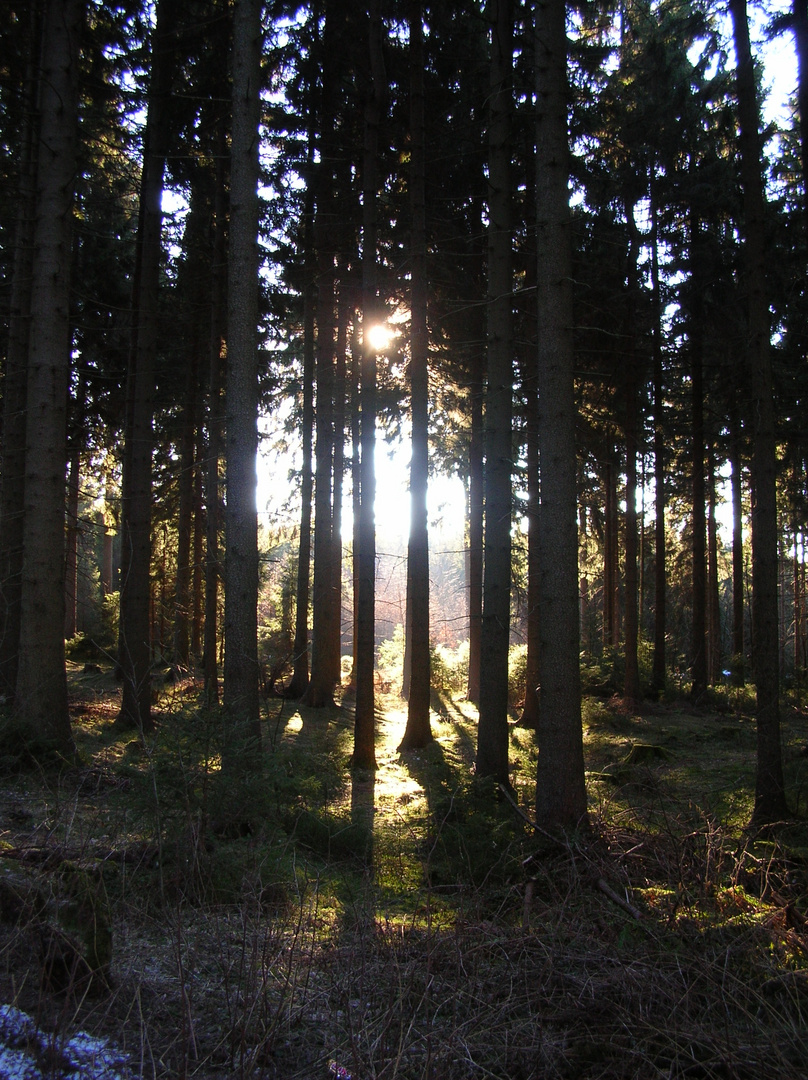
[595, 255]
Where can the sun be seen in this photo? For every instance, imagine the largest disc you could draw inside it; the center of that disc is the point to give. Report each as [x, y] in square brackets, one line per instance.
[379, 336]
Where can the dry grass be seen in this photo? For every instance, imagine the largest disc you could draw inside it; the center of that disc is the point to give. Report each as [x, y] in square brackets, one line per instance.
[414, 926]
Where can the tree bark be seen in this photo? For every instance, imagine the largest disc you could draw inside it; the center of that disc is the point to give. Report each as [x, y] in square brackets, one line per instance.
[475, 524]
[242, 740]
[631, 684]
[713, 602]
[799, 10]
[659, 672]
[343, 315]
[215, 422]
[320, 691]
[15, 376]
[72, 538]
[611, 605]
[770, 799]
[418, 731]
[560, 788]
[40, 700]
[364, 753]
[195, 275]
[134, 642]
[300, 647]
[492, 735]
[530, 710]
[738, 663]
[698, 647]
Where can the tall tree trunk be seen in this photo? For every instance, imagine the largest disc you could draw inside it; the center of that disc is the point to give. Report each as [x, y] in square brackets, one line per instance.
[713, 602]
[320, 691]
[195, 276]
[475, 522]
[198, 556]
[698, 648]
[799, 10]
[738, 649]
[242, 740]
[15, 376]
[799, 607]
[530, 710]
[492, 735]
[215, 424]
[134, 641]
[770, 799]
[631, 686]
[300, 646]
[343, 315]
[364, 753]
[418, 732]
[40, 700]
[72, 537]
[560, 788]
[659, 674]
[611, 606]
[356, 484]
[75, 445]
[183, 612]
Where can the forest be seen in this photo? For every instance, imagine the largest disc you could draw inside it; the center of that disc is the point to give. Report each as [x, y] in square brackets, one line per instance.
[403, 511]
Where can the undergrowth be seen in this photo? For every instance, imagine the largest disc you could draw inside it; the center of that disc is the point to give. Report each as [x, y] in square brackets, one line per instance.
[412, 924]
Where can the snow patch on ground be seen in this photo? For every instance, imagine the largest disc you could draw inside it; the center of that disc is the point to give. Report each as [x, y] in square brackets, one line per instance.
[26, 1053]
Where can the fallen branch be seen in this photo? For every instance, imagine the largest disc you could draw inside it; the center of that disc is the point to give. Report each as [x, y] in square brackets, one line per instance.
[607, 890]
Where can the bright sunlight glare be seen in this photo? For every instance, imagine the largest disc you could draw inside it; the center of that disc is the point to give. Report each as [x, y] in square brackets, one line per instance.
[379, 337]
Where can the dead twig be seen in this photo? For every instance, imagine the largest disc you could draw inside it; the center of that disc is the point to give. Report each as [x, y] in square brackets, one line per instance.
[607, 890]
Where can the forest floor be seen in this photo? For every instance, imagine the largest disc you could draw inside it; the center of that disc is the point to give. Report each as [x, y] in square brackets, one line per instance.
[410, 924]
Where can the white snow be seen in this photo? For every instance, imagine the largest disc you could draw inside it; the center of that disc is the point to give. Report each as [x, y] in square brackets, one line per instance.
[26, 1053]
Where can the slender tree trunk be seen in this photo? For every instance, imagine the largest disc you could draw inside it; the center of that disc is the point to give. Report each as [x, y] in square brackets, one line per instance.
[320, 692]
[770, 799]
[418, 731]
[181, 652]
[242, 740]
[713, 606]
[799, 10]
[300, 647]
[107, 544]
[195, 276]
[631, 686]
[560, 788]
[611, 607]
[356, 486]
[492, 735]
[364, 754]
[40, 701]
[738, 649]
[475, 525]
[215, 423]
[659, 674]
[75, 443]
[530, 711]
[72, 540]
[476, 464]
[798, 568]
[198, 557]
[698, 648]
[344, 312]
[798, 594]
[134, 643]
